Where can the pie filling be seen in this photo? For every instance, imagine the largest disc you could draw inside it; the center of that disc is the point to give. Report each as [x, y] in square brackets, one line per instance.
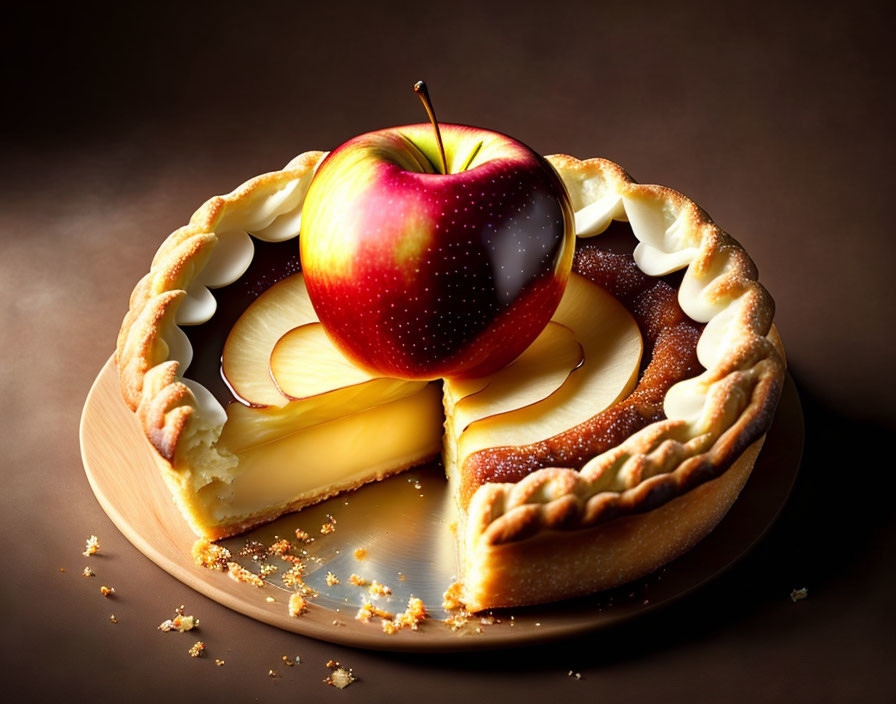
[596, 375]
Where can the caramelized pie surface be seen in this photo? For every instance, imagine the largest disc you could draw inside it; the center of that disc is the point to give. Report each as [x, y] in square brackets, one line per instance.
[670, 355]
[670, 342]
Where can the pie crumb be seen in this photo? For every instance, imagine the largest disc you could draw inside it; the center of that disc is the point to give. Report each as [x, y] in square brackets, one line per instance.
[303, 537]
[197, 649]
[287, 661]
[411, 617]
[452, 599]
[113, 619]
[575, 675]
[368, 611]
[92, 546]
[179, 623]
[297, 604]
[377, 589]
[219, 663]
[339, 676]
[329, 526]
[357, 580]
[360, 553]
[207, 554]
[799, 594]
[240, 574]
[107, 591]
[332, 579]
[280, 547]
[272, 674]
[88, 572]
[457, 621]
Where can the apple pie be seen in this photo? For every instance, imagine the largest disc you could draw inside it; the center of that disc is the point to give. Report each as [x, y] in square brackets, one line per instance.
[616, 441]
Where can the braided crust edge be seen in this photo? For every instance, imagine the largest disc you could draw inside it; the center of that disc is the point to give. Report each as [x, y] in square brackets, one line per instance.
[150, 381]
[740, 388]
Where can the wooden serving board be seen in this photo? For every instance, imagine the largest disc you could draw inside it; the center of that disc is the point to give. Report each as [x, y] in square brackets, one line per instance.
[409, 544]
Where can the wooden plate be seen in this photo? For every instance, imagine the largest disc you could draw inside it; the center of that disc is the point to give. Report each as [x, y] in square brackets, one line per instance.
[401, 523]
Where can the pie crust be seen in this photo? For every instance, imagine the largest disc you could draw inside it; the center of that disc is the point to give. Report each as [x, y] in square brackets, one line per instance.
[558, 532]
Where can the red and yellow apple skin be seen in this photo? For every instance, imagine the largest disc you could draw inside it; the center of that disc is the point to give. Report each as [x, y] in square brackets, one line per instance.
[420, 274]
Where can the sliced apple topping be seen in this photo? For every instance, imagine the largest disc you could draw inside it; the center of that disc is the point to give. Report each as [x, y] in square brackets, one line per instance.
[306, 363]
[537, 373]
[278, 336]
[611, 346]
[247, 351]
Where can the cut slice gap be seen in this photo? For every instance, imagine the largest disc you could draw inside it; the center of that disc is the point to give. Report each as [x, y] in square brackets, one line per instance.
[309, 465]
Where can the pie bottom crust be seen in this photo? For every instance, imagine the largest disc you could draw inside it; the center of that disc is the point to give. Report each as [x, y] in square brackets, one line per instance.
[554, 565]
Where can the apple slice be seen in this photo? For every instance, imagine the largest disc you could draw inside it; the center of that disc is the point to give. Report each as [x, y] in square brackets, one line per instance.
[536, 374]
[247, 351]
[612, 347]
[304, 363]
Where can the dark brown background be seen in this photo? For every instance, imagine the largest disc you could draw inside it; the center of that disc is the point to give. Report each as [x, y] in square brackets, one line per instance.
[118, 122]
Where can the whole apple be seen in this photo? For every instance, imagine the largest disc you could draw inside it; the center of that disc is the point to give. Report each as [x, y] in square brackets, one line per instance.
[420, 274]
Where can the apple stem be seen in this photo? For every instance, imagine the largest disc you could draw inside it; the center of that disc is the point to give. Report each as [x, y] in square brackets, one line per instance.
[420, 90]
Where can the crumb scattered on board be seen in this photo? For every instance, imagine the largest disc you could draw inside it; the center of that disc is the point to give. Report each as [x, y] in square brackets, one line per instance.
[411, 617]
[207, 554]
[280, 547]
[107, 591]
[297, 604]
[452, 599]
[239, 573]
[196, 649]
[377, 589]
[292, 578]
[369, 611]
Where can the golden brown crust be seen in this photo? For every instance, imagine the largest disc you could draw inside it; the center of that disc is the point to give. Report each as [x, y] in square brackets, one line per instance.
[557, 564]
[736, 395]
[149, 378]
